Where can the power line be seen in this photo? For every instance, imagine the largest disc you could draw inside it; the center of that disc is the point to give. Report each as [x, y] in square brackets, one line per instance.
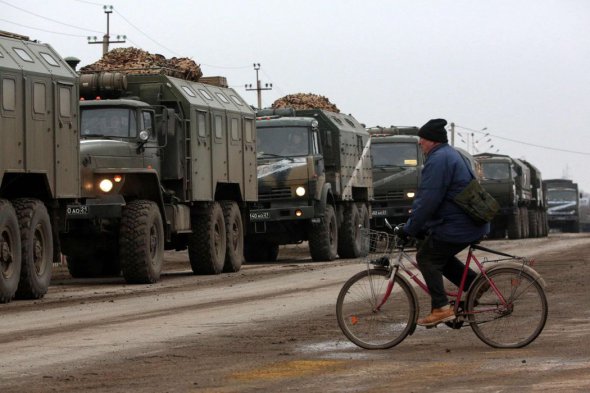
[43, 30]
[49, 19]
[525, 143]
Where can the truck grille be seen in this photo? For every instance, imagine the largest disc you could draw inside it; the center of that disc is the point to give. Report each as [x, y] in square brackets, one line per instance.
[274, 193]
[390, 196]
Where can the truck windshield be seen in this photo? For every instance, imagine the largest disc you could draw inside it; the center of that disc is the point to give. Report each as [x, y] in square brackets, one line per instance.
[495, 170]
[560, 195]
[394, 154]
[282, 141]
[110, 122]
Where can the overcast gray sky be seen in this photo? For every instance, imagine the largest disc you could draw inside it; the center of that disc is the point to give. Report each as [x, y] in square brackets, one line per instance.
[519, 68]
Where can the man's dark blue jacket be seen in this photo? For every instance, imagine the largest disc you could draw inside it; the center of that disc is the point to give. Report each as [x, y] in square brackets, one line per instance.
[445, 174]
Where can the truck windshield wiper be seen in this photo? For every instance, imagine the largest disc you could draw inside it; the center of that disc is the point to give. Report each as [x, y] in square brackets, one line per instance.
[275, 155]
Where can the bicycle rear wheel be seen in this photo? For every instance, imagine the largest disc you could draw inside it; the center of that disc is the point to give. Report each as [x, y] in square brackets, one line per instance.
[515, 324]
[362, 323]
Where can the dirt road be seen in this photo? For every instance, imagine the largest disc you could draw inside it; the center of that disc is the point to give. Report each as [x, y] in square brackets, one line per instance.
[272, 328]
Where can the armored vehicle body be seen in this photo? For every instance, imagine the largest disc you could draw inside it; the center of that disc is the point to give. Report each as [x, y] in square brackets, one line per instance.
[166, 163]
[314, 184]
[508, 181]
[563, 205]
[39, 131]
[397, 166]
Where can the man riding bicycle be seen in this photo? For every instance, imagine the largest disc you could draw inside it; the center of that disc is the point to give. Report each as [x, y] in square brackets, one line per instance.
[445, 228]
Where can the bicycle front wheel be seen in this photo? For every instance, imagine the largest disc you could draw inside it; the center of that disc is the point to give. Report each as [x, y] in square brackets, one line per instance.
[512, 324]
[364, 324]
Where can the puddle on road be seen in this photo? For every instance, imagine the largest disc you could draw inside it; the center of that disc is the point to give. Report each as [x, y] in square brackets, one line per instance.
[334, 350]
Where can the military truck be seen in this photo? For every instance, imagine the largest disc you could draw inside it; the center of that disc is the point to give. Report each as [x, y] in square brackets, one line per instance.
[585, 213]
[537, 209]
[166, 164]
[314, 184]
[563, 205]
[507, 179]
[397, 166]
[39, 162]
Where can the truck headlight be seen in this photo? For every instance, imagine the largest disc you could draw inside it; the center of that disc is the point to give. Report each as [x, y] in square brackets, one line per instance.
[300, 191]
[105, 185]
[410, 194]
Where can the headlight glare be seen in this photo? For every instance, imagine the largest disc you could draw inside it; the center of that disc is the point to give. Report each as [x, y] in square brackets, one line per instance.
[300, 191]
[105, 185]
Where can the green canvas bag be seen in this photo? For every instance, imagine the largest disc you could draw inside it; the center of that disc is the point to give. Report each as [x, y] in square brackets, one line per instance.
[476, 201]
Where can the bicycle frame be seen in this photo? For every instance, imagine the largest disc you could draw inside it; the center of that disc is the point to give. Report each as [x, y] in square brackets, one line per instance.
[403, 256]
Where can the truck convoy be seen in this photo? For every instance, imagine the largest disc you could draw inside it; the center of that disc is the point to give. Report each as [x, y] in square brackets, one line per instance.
[314, 184]
[166, 163]
[563, 202]
[39, 162]
[397, 167]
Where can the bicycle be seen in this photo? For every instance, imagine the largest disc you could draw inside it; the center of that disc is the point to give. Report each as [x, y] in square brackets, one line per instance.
[378, 308]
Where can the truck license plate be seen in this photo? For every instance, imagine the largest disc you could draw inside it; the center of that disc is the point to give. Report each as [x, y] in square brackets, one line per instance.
[379, 213]
[256, 216]
[77, 210]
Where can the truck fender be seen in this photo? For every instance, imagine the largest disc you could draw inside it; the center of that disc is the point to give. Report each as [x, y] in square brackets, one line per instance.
[145, 185]
[326, 197]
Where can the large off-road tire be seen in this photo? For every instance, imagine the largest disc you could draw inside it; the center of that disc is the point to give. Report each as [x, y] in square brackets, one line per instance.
[207, 243]
[524, 216]
[36, 248]
[514, 227]
[258, 251]
[323, 237]
[349, 236]
[365, 223]
[234, 233]
[10, 252]
[141, 242]
[533, 223]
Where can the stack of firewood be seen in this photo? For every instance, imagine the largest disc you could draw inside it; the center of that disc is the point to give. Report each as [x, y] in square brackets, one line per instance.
[137, 61]
[305, 101]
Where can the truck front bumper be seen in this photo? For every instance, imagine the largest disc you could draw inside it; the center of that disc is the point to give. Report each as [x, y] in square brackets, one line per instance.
[111, 207]
[282, 214]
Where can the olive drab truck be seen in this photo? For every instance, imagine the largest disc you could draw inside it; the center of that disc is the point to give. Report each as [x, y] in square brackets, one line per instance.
[397, 166]
[314, 184]
[563, 205]
[508, 180]
[39, 171]
[537, 208]
[166, 164]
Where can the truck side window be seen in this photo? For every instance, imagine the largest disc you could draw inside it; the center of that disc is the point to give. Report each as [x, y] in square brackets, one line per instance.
[315, 143]
[249, 128]
[218, 127]
[39, 98]
[8, 94]
[147, 123]
[65, 102]
[201, 124]
[235, 131]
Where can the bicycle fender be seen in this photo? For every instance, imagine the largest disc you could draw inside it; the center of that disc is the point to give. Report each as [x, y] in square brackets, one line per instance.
[515, 265]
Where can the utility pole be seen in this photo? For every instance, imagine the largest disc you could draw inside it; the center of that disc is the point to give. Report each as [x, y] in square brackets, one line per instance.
[106, 39]
[452, 134]
[258, 88]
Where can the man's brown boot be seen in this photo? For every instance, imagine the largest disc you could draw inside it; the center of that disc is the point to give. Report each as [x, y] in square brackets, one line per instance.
[438, 315]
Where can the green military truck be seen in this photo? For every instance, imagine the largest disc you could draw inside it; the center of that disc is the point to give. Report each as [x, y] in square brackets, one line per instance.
[508, 180]
[166, 164]
[39, 162]
[314, 184]
[537, 208]
[563, 205]
[397, 166]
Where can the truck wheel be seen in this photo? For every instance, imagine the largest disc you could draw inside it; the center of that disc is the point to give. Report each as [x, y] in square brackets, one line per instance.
[10, 249]
[36, 248]
[207, 243]
[366, 224]
[323, 237]
[349, 237]
[533, 226]
[514, 228]
[234, 233]
[524, 216]
[141, 242]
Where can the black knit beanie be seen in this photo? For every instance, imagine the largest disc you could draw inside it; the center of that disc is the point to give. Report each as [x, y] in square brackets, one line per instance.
[434, 130]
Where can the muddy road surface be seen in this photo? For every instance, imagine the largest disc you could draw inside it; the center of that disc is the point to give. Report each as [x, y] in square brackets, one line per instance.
[272, 328]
